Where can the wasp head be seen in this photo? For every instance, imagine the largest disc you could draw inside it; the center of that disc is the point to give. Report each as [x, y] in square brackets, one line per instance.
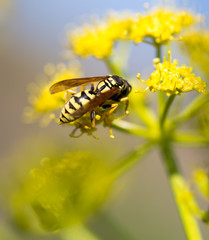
[125, 87]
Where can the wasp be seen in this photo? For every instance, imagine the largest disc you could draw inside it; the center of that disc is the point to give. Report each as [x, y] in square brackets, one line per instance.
[109, 90]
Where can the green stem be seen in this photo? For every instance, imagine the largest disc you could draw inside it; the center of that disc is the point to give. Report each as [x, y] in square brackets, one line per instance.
[190, 138]
[78, 232]
[136, 130]
[131, 159]
[112, 67]
[193, 108]
[149, 42]
[180, 189]
[159, 51]
[166, 109]
[161, 95]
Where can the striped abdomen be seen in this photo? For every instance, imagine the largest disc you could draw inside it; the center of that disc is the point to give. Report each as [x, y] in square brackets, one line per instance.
[78, 105]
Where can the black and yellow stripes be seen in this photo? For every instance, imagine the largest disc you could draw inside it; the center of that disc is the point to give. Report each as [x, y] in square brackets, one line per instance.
[76, 106]
[110, 87]
[106, 85]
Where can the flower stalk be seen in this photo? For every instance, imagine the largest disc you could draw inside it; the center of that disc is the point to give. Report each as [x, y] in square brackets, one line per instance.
[179, 190]
[166, 109]
[135, 156]
[176, 180]
[78, 232]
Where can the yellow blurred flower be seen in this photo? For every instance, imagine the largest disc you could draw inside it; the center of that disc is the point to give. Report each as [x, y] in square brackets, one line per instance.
[161, 25]
[170, 78]
[195, 44]
[42, 103]
[63, 192]
[201, 178]
[98, 39]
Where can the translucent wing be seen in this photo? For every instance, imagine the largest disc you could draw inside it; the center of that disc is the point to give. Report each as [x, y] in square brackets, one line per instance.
[75, 82]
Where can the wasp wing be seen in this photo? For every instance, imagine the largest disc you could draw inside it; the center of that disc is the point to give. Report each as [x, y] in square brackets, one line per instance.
[75, 82]
[99, 100]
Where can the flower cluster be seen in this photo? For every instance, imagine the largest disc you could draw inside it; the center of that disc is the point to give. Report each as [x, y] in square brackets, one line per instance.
[98, 39]
[42, 103]
[171, 79]
[160, 25]
[64, 191]
[195, 44]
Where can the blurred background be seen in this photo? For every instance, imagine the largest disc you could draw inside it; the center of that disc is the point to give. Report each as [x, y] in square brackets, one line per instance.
[33, 34]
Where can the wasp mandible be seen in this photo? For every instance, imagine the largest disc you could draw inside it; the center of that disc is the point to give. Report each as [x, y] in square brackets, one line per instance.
[110, 87]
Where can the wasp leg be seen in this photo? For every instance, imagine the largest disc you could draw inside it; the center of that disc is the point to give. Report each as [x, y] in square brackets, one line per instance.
[73, 133]
[125, 99]
[71, 92]
[92, 87]
[113, 108]
[93, 119]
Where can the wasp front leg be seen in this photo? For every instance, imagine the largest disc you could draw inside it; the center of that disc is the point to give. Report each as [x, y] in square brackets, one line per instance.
[125, 99]
[114, 107]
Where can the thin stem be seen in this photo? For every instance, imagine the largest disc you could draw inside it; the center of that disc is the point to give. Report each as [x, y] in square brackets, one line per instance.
[134, 157]
[112, 67]
[159, 51]
[134, 129]
[190, 138]
[148, 42]
[161, 95]
[78, 232]
[180, 190]
[193, 108]
[166, 109]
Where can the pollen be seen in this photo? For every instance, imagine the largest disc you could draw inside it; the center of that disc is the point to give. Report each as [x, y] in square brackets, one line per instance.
[173, 79]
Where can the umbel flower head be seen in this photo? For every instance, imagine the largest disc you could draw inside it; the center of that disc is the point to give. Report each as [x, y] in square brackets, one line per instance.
[161, 25]
[97, 39]
[195, 44]
[171, 79]
[42, 103]
[63, 192]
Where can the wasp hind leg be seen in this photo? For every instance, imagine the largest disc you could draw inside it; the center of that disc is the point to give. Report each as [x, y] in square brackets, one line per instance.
[74, 131]
[92, 114]
[92, 117]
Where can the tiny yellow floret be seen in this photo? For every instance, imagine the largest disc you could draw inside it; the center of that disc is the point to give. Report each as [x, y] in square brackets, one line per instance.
[173, 79]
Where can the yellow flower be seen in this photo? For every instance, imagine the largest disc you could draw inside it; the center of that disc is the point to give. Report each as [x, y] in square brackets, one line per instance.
[170, 78]
[201, 178]
[160, 25]
[195, 44]
[42, 103]
[120, 24]
[63, 192]
[98, 39]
